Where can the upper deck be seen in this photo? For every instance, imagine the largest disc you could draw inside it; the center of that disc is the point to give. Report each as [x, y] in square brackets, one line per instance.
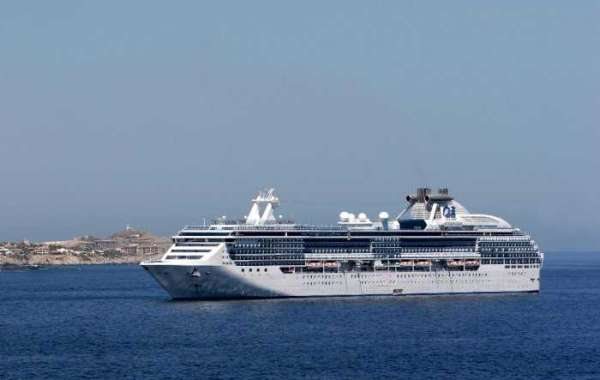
[432, 215]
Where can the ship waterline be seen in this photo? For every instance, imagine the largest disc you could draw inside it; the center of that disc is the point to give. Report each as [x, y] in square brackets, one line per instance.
[219, 282]
[433, 247]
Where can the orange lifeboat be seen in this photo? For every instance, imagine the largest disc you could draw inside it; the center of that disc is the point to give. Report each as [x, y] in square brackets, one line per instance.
[456, 263]
[472, 263]
[422, 263]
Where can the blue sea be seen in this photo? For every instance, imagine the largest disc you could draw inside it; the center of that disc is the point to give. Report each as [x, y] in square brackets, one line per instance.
[114, 322]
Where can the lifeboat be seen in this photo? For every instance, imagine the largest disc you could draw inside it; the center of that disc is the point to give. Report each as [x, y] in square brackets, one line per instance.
[314, 264]
[422, 263]
[472, 263]
[332, 264]
[456, 263]
[406, 263]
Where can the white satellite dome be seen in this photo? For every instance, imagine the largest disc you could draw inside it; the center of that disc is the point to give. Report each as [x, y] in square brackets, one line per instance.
[344, 216]
[384, 215]
[362, 217]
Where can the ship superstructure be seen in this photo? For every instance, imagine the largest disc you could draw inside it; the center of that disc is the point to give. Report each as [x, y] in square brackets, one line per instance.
[434, 246]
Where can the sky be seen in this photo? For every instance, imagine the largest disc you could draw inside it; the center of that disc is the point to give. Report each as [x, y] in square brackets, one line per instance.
[159, 114]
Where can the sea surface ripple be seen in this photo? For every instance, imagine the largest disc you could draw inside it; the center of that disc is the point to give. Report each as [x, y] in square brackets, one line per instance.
[115, 322]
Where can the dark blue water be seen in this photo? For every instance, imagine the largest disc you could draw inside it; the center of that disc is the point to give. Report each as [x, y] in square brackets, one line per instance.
[115, 322]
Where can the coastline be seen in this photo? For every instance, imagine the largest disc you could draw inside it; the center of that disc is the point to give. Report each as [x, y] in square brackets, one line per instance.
[128, 246]
[56, 260]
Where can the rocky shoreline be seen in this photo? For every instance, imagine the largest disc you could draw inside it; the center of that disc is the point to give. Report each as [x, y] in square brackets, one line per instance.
[129, 246]
[50, 260]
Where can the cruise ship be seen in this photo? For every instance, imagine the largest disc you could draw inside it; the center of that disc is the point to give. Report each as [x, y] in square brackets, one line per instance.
[434, 246]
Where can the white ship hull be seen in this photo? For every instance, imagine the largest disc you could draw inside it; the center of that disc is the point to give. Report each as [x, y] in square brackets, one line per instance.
[228, 281]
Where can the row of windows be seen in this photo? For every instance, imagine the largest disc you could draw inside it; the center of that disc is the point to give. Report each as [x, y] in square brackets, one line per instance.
[353, 242]
[342, 249]
[428, 250]
[404, 275]
[510, 255]
[327, 283]
[521, 266]
[386, 282]
[190, 250]
[339, 250]
[268, 243]
[290, 260]
[256, 269]
[257, 254]
[239, 257]
[505, 243]
[438, 243]
[511, 261]
[269, 263]
[262, 251]
[195, 244]
[514, 249]
[178, 257]
[200, 240]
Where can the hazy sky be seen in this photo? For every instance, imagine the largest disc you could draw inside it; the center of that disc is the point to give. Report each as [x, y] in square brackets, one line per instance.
[158, 114]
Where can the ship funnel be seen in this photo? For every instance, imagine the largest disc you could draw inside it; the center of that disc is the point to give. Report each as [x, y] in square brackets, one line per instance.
[441, 196]
[438, 198]
[422, 192]
[420, 196]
